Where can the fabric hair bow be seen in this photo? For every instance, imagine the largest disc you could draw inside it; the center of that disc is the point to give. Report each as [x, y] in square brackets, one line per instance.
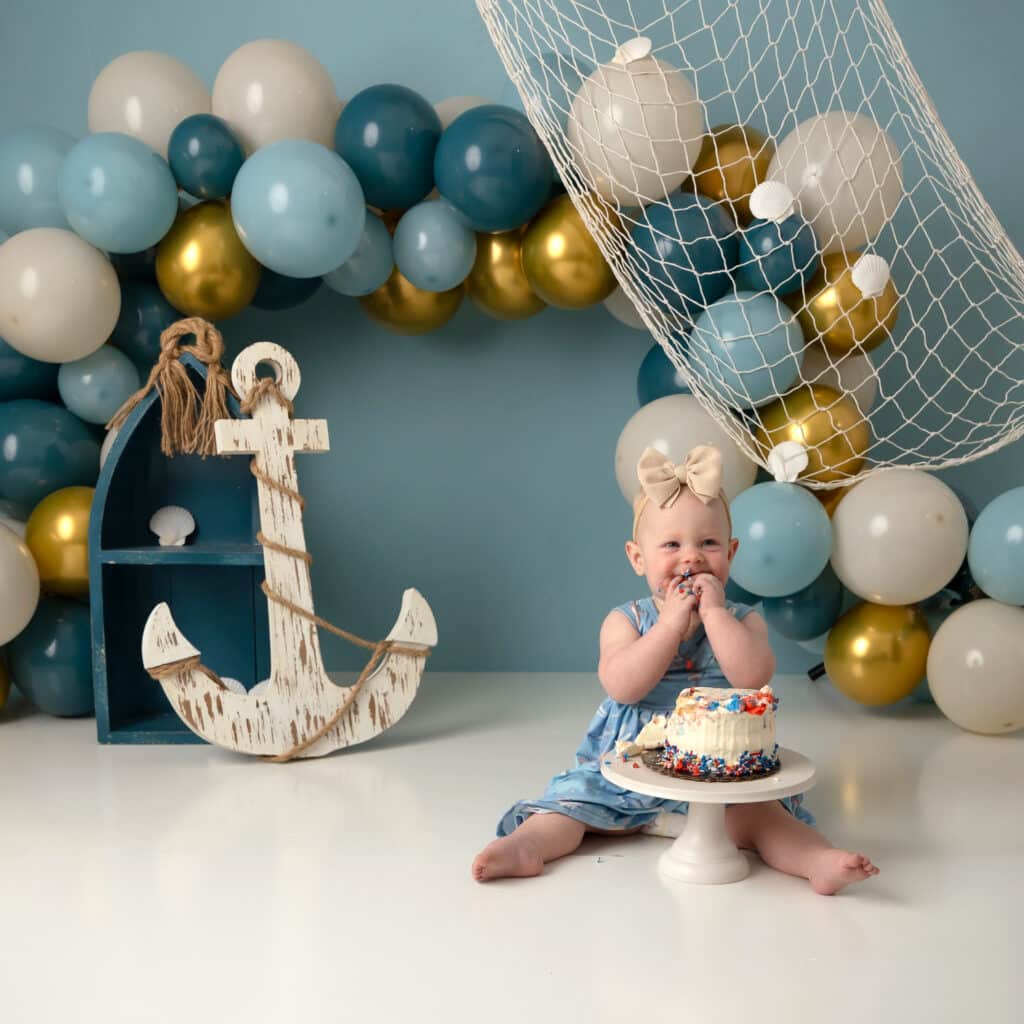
[663, 480]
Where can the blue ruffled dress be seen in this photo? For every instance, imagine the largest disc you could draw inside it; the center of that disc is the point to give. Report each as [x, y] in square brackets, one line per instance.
[583, 792]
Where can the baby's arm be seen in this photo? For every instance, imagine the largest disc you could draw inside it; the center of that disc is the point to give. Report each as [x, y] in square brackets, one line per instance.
[741, 647]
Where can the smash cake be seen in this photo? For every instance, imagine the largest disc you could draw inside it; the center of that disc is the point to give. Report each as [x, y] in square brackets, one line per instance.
[713, 734]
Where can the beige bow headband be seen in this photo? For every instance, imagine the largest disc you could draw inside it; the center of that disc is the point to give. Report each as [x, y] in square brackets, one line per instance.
[663, 480]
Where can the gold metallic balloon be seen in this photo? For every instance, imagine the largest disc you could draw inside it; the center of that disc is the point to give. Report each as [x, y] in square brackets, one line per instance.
[497, 283]
[400, 306]
[57, 534]
[562, 261]
[828, 424]
[877, 654]
[733, 161]
[835, 310]
[201, 265]
[5, 681]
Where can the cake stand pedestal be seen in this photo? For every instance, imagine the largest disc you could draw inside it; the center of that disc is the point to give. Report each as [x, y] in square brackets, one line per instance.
[704, 853]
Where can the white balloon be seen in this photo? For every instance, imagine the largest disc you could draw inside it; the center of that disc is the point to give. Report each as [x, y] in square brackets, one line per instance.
[21, 585]
[146, 94]
[637, 126]
[898, 537]
[853, 374]
[846, 174]
[271, 89]
[620, 305]
[976, 667]
[452, 107]
[59, 297]
[675, 424]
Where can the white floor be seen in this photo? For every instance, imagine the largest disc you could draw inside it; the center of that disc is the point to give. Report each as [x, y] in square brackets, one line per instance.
[188, 884]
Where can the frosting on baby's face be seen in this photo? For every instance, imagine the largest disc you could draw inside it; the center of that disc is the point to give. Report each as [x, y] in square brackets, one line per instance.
[688, 536]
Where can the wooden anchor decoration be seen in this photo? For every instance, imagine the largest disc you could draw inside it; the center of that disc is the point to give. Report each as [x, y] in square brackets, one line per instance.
[301, 712]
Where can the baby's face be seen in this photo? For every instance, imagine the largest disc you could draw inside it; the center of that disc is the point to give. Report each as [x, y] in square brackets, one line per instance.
[689, 535]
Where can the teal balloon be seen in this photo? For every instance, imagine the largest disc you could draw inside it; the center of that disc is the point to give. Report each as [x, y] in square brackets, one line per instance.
[30, 159]
[117, 193]
[96, 386]
[785, 539]
[492, 167]
[686, 246]
[276, 291]
[433, 248]
[735, 592]
[22, 377]
[145, 315]
[777, 256]
[43, 448]
[809, 612]
[388, 134]
[995, 551]
[205, 155]
[298, 208]
[369, 266]
[657, 377]
[135, 266]
[747, 348]
[51, 658]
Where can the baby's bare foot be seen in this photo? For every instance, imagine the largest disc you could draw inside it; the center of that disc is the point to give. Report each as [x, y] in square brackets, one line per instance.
[508, 857]
[835, 869]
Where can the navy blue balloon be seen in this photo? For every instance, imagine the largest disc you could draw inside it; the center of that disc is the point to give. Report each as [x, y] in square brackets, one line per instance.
[145, 314]
[51, 658]
[205, 155]
[657, 377]
[135, 266]
[809, 612]
[387, 134]
[778, 256]
[43, 448]
[22, 377]
[278, 291]
[492, 167]
[687, 248]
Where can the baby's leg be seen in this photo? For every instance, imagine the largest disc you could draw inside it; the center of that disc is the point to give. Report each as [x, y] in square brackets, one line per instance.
[541, 838]
[791, 846]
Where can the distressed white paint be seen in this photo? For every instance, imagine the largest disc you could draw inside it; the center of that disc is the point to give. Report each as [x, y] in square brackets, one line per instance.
[301, 697]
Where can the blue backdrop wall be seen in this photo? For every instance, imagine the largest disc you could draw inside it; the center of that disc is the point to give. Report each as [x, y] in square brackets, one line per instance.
[476, 463]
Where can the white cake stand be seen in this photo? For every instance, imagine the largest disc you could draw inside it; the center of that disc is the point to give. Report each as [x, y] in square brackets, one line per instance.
[704, 853]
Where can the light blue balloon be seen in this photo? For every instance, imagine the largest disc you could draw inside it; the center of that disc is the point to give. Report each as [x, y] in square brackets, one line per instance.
[117, 193]
[785, 539]
[995, 552]
[298, 208]
[433, 247]
[369, 266]
[95, 387]
[747, 347]
[29, 161]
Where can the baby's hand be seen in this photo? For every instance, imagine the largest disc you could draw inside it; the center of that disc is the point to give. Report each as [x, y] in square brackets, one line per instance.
[710, 592]
[680, 605]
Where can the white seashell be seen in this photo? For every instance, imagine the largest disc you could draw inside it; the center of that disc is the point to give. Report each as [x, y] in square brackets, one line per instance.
[787, 461]
[172, 524]
[260, 688]
[870, 274]
[772, 200]
[233, 685]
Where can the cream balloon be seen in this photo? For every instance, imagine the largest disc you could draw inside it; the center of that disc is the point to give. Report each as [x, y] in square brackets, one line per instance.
[675, 424]
[146, 94]
[853, 375]
[271, 89]
[620, 305]
[846, 174]
[637, 126]
[21, 585]
[898, 537]
[59, 297]
[452, 107]
[976, 667]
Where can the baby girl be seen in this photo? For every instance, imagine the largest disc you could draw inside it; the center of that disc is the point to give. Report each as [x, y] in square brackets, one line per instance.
[687, 633]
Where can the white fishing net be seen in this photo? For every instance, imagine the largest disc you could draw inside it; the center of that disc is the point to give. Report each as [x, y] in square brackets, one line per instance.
[907, 292]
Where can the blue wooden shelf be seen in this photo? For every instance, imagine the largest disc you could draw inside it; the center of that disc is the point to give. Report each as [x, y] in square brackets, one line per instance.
[191, 554]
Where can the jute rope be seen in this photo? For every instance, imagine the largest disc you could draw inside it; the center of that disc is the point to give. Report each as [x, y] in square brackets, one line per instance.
[264, 387]
[186, 423]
